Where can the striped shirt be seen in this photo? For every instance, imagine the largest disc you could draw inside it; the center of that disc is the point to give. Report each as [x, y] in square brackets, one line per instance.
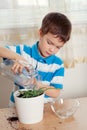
[50, 68]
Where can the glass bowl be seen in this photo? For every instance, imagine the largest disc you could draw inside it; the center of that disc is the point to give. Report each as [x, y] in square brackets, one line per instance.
[65, 108]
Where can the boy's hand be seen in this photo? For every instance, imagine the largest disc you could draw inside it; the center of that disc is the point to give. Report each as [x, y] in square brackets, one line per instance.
[19, 64]
[17, 67]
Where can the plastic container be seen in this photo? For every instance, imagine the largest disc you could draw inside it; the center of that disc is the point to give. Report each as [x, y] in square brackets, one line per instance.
[24, 79]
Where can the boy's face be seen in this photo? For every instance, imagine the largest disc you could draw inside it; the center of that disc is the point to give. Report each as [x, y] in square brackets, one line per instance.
[49, 44]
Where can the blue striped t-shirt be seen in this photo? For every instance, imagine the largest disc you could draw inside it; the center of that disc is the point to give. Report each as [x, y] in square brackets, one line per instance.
[50, 68]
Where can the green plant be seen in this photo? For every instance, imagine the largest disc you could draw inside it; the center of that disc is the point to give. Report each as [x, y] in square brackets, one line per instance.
[31, 92]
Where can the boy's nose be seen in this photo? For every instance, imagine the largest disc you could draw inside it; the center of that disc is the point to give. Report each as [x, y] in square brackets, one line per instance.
[52, 49]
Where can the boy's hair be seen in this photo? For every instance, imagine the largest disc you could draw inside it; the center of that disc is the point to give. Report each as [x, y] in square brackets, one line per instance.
[57, 24]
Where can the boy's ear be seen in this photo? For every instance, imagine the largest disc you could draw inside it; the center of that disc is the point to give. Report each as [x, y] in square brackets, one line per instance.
[40, 33]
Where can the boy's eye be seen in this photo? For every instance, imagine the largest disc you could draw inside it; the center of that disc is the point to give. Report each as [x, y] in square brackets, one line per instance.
[52, 44]
[58, 47]
[49, 43]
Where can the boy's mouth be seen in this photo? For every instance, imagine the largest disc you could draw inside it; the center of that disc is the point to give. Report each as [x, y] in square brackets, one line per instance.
[48, 53]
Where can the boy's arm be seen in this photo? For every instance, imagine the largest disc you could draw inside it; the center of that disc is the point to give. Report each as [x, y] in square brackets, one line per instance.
[7, 53]
[50, 90]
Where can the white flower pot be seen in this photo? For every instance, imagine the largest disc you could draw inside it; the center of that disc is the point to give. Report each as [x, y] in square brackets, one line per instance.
[29, 110]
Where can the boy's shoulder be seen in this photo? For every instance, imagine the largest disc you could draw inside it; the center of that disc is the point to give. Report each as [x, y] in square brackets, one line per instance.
[58, 60]
[54, 60]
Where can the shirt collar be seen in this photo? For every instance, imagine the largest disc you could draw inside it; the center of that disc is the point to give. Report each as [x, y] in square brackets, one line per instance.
[36, 54]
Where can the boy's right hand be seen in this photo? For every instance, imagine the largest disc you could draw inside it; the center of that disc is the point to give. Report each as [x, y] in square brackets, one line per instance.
[19, 64]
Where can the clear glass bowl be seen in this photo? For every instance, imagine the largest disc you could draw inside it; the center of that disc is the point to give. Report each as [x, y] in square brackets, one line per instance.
[65, 108]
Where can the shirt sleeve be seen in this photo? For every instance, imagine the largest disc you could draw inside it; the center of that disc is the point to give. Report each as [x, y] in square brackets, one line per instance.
[16, 48]
[57, 80]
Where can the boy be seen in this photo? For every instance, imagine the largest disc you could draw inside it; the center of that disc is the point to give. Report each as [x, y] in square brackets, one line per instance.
[54, 33]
